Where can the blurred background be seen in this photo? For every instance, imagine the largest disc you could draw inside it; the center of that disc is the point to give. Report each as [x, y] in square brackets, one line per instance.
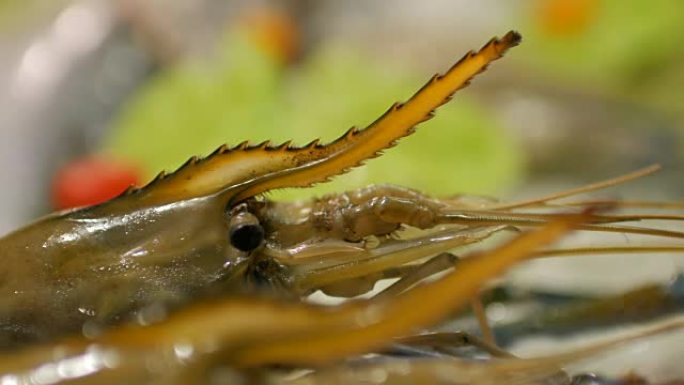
[98, 94]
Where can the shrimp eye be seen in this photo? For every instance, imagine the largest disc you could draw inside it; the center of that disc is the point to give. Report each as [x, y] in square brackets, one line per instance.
[244, 230]
[246, 237]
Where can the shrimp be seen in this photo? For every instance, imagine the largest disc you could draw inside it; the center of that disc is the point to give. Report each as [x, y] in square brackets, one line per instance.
[239, 338]
[198, 270]
[203, 230]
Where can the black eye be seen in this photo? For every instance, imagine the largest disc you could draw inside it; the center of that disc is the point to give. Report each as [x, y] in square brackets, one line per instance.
[246, 237]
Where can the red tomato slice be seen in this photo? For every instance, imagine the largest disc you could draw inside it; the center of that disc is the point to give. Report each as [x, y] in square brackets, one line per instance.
[92, 180]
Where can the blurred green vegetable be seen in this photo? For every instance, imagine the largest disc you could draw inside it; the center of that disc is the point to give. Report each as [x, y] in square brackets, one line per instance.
[619, 42]
[13, 13]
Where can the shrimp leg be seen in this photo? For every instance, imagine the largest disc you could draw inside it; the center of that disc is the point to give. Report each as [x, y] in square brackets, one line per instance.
[446, 342]
[434, 265]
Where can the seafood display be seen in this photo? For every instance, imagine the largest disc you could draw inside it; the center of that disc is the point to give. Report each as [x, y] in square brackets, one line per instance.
[197, 277]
